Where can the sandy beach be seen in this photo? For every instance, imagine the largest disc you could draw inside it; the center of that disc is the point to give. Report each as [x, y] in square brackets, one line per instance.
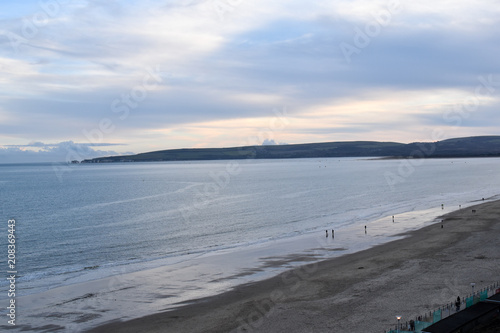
[360, 292]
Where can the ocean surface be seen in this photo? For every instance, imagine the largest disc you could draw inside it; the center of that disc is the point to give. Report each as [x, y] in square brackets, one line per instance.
[80, 223]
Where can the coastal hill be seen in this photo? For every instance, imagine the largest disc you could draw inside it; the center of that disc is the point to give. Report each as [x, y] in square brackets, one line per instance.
[478, 146]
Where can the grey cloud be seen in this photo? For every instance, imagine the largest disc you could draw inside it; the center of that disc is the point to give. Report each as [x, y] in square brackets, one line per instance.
[71, 114]
[461, 115]
[60, 152]
[398, 58]
[66, 144]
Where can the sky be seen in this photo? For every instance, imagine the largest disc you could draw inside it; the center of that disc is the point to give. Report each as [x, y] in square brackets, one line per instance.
[82, 79]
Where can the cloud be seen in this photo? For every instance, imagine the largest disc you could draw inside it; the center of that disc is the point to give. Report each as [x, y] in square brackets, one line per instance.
[268, 142]
[228, 64]
[58, 152]
[65, 145]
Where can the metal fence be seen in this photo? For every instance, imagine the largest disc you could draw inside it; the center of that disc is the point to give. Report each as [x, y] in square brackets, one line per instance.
[420, 322]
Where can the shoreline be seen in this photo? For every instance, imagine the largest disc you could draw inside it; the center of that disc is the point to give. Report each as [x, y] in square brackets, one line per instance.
[406, 277]
[130, 295]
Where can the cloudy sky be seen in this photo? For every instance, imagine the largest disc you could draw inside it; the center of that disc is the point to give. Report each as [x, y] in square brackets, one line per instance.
[91, 78]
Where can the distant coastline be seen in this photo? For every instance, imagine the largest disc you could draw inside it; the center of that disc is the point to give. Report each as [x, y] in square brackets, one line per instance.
[478, 146]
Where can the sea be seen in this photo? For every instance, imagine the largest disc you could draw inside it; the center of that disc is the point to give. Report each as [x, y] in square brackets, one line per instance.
[200, 228]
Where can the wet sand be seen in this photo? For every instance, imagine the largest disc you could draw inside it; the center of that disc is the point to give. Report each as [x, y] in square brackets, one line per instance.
[360, 292]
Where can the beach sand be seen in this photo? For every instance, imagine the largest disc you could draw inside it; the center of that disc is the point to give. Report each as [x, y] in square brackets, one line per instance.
[359, 292]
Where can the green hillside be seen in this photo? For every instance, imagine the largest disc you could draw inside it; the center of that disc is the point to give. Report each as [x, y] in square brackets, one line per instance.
[480, 146]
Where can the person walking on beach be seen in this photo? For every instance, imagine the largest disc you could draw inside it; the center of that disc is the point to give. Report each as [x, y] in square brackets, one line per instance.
[326, 233]
[457, 303]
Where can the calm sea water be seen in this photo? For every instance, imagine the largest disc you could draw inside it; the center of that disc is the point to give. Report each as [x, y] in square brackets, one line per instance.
[98, 217]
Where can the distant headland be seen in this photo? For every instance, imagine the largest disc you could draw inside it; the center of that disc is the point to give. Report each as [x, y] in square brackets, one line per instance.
[477, 146]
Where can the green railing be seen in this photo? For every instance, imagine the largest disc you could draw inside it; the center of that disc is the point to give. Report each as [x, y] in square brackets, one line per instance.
[422, 322]
[419, 326]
